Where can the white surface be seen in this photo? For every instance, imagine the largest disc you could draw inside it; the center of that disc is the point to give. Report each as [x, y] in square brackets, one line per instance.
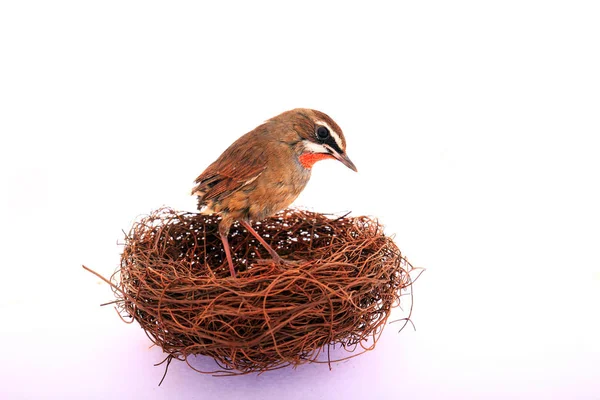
[474, 128]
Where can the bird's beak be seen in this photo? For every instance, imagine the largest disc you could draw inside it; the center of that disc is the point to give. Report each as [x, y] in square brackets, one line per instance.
[343, 158]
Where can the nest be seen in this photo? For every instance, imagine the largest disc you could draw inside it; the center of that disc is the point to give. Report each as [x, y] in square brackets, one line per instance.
[341, 278]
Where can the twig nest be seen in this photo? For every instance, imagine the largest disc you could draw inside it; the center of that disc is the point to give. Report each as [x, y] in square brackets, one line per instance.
[341, 279]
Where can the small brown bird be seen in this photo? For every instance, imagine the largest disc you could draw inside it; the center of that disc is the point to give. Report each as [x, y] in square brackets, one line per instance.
[265, 170]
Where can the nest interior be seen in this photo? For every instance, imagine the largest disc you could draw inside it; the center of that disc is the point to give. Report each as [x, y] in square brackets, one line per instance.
[341, 278]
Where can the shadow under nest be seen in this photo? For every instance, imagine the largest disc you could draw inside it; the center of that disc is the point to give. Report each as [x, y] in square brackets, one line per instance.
[341, 278]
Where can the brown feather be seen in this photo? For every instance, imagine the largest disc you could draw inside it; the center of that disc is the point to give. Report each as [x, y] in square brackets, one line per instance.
[239, 164]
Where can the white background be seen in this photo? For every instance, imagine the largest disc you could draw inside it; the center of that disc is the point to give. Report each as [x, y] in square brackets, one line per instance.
[474, 126]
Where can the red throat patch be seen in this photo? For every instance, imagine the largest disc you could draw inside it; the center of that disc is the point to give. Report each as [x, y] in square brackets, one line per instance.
[309, 159]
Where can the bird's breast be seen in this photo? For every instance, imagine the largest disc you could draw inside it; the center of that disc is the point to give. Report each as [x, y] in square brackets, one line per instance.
[275, 189]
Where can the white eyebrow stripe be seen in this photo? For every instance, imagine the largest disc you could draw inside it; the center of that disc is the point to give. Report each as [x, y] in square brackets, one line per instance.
[333, 133]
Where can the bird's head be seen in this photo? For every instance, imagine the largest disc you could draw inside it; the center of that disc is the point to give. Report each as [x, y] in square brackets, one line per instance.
[320, 138]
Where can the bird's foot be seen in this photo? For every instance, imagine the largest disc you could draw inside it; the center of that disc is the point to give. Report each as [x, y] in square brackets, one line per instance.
[278, 261]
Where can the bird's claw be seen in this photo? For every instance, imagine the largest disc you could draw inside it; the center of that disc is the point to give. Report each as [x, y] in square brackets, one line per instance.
[278, 261]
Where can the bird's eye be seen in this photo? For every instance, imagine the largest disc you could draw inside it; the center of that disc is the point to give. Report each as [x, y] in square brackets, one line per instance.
[322, 133]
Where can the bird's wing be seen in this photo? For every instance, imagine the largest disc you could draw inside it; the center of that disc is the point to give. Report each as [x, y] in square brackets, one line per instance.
[238, 166]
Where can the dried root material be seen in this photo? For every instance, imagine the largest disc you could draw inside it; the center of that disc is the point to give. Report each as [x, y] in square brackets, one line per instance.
[341, 279]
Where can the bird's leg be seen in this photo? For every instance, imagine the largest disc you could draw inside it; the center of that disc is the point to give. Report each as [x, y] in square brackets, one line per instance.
[262, 241]
[224, 231]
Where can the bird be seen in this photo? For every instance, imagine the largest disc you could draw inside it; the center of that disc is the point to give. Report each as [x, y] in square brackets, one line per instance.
[266, 169]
